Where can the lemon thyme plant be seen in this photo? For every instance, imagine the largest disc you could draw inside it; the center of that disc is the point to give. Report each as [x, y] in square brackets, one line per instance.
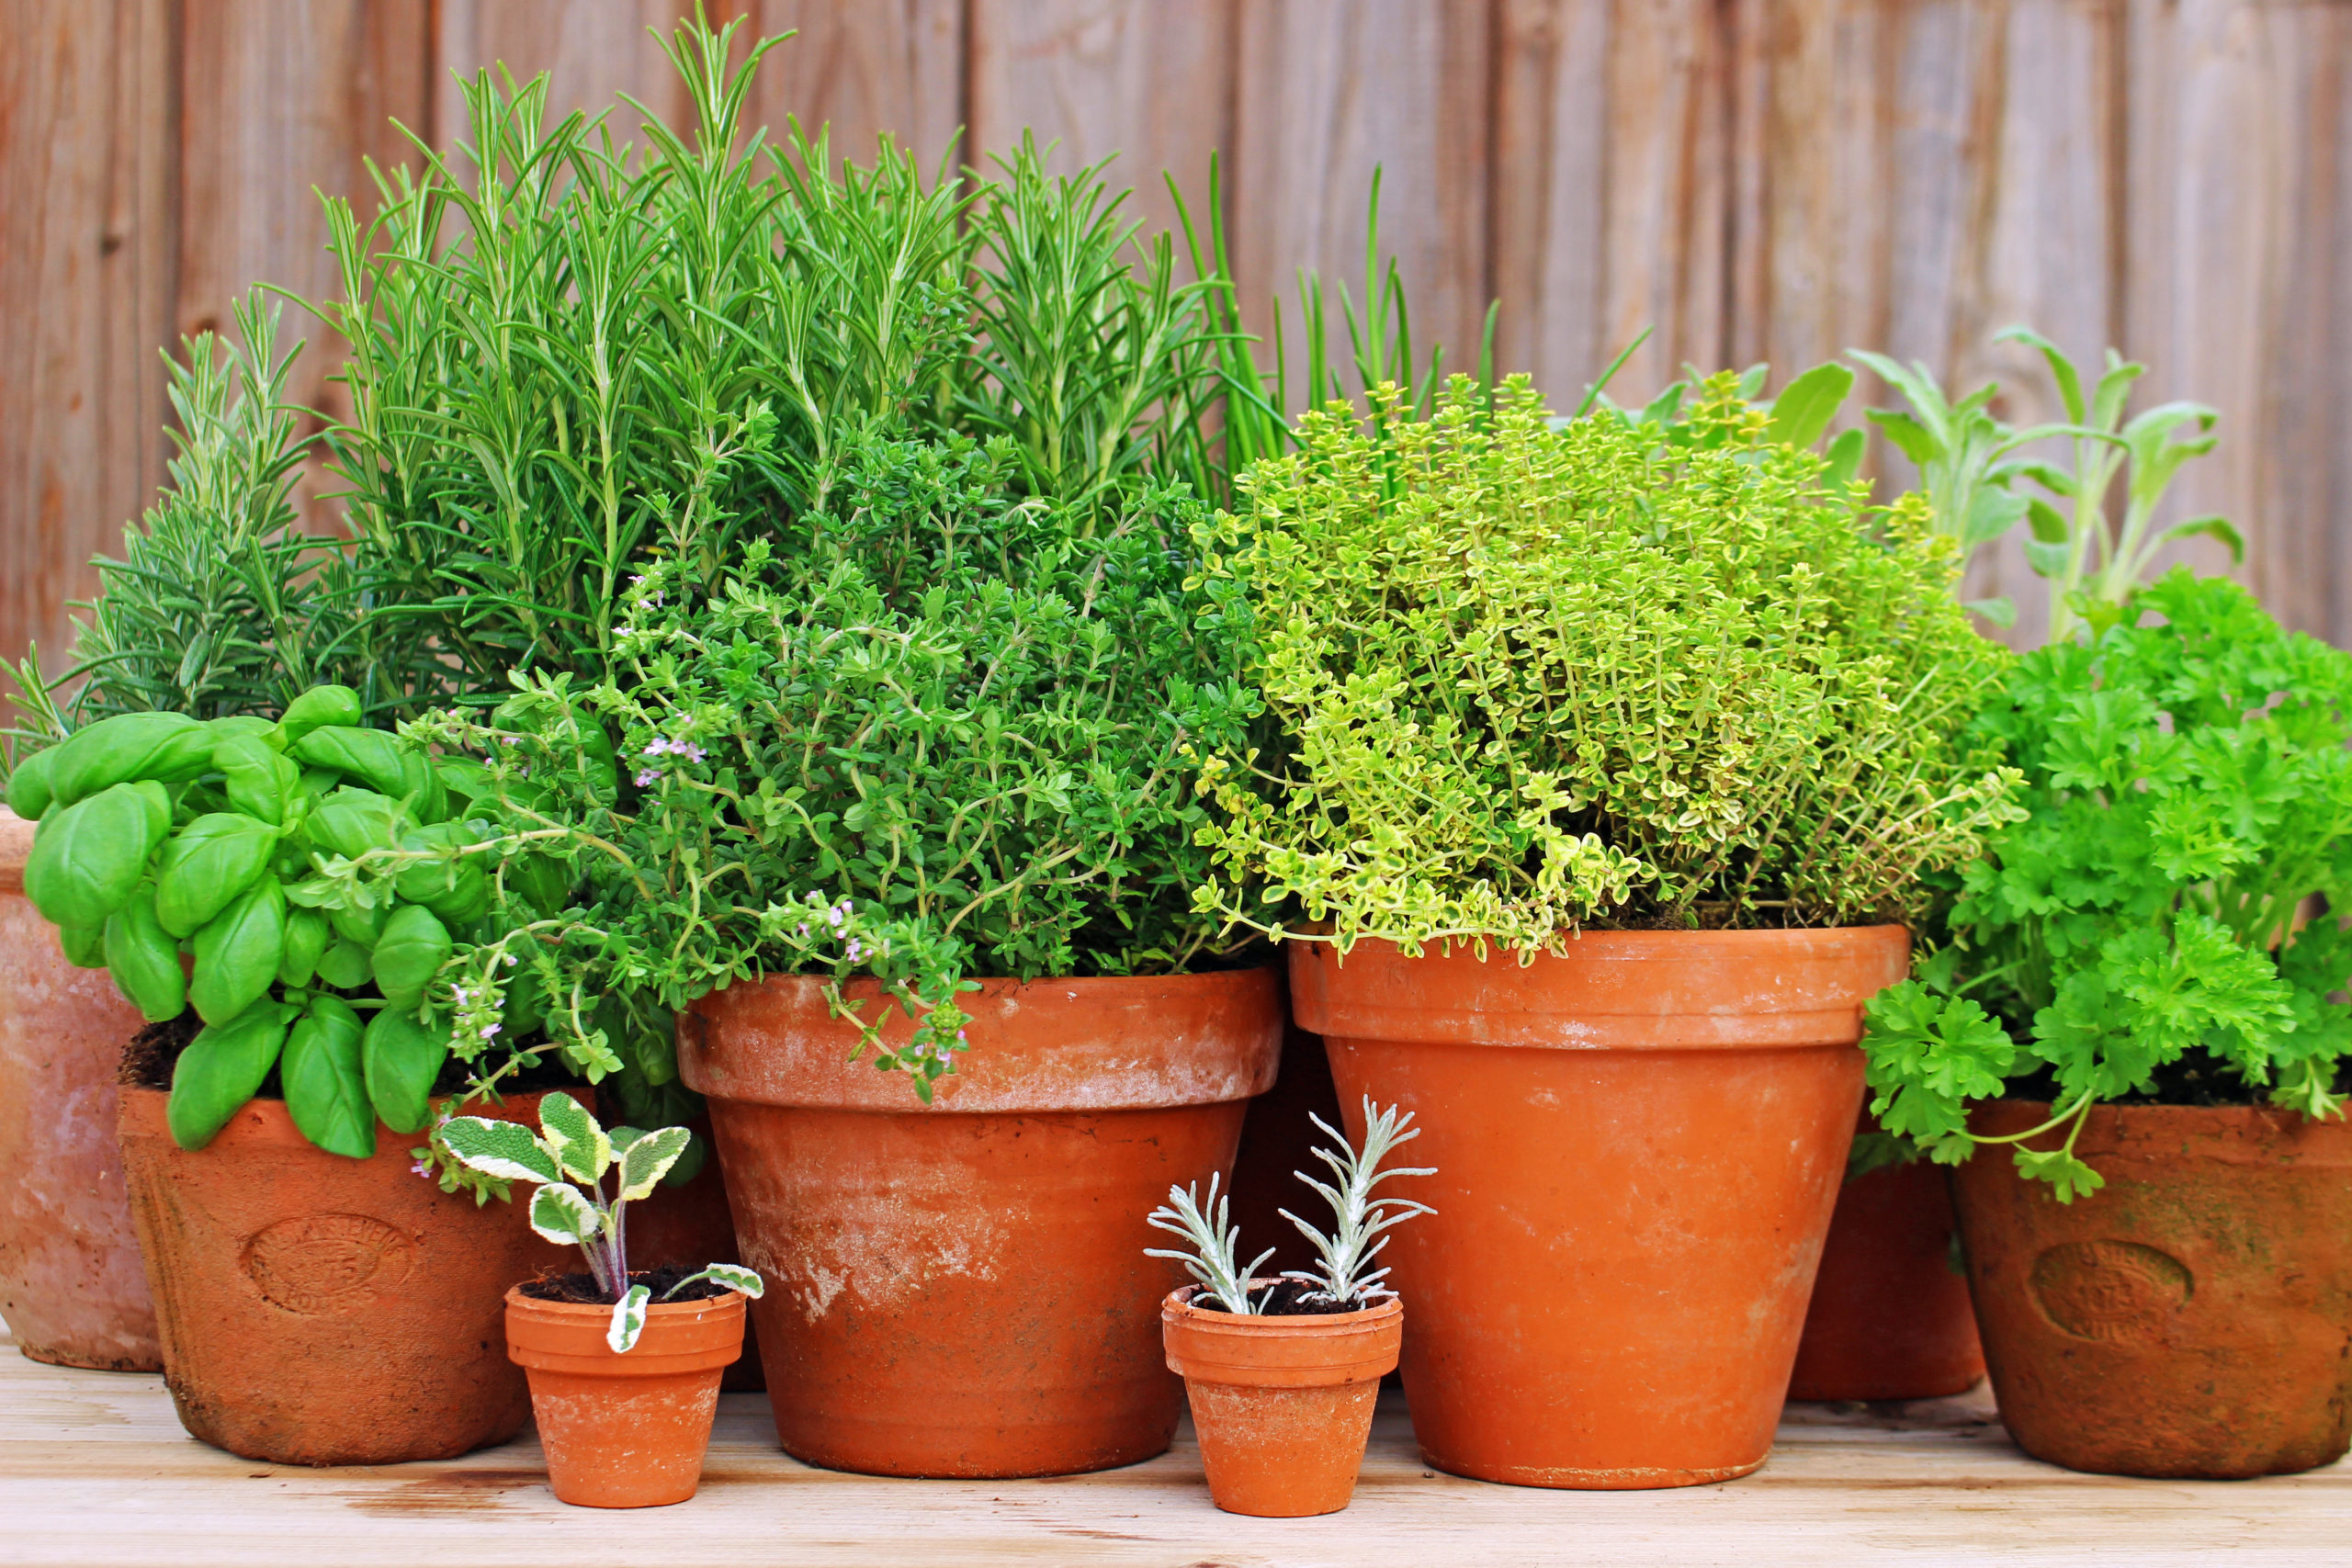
[1533, 678]
[2138, 936]
[942, 734]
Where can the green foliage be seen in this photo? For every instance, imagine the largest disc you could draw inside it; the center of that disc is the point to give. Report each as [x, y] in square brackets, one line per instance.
[572, 1148]
[1533, 678]
[944, 734]
[570, 358]
[220, 604]
[174, 836]
[2187, 788]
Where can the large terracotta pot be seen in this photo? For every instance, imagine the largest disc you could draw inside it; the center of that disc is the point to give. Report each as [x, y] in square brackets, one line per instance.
[319, 1310]
[1637, 1146]
[71, 1285]
[1282, 1405]
[624, 1430]
[960, 1289]
[1890, 1317]
[2192, 1317]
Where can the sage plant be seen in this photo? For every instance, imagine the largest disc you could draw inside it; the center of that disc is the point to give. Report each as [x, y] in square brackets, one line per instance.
[570, 1147]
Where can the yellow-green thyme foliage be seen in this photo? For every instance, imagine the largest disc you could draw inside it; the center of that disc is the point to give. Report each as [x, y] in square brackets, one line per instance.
[1533, 678]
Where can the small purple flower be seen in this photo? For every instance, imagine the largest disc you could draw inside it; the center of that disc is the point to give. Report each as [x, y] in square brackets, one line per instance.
[691, 753]
[855, 952]
[462, 995]
[657, 748]
[488, 1030]
[419, 1168]
[646, 776]
[510, 960]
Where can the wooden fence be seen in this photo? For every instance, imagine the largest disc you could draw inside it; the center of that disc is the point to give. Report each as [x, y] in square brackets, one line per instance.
[1751, 179]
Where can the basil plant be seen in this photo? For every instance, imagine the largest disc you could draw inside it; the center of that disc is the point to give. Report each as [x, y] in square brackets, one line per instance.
[571, 1148]
[315, 876]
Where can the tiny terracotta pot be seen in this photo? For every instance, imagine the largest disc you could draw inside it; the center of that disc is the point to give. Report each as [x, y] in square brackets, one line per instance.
[2191, 1318]
[1637, 1146]
[71, 1284]
[1282, 1405]
[624, 1430]
[959, 1289]
[320, 1310]
[1890, 1317]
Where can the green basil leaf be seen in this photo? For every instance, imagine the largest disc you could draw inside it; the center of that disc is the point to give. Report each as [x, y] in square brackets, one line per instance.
[325, 1093]
[144, 959]
[400, 1059]
[223, 1068]
[410, 952]
[238, 951]
[209, 863]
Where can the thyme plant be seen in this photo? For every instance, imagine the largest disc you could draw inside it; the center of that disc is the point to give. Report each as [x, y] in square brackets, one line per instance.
[1530, 679]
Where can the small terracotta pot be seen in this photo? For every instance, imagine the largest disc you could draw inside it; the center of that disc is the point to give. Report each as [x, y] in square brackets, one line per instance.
[1282, 1405]
[1890, 1317]
[960, 1289]
[691, 1225]
[2192, 1317]
[624, 1431]
[1638, 1145]
[71, 1284]
[319, 1310]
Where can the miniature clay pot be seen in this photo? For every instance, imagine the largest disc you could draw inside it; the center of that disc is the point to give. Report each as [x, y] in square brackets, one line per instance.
[2192, 1317]
[319, 1310]
[691, 1225]
[1638, 1144]
[960, 1289]
[624, 1430]
[1890, 1317]
[1282, 1405]
[71, 1284]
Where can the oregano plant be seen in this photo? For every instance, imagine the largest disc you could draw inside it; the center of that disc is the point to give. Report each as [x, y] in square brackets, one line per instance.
[569, 1158]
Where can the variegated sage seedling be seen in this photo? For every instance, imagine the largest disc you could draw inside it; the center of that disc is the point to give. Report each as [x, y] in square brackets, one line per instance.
[1343, 1275]
[570, 1147]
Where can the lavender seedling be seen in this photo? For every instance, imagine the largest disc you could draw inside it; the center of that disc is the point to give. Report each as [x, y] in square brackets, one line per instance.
[571, 1145]
[1344, 1275]
[1211, 1260]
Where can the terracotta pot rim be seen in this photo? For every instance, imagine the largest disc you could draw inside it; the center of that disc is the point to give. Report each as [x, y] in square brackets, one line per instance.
[265, 1120]
[2232, 1135]
[999, 985]
[599, 1312]
[16, 848]
[1177, 1306]
[1591, 945]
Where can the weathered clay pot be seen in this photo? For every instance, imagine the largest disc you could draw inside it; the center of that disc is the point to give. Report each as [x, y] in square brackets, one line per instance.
[1890, 1317]
[1638, 1145]
[690, 1225]
[624, 1431]
[960, 1289]
[71, 1285]
[2193, 1317]
[1282, 1405]
[319, 1310]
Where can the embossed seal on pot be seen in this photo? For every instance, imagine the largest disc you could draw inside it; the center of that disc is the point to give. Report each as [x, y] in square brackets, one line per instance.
[321, 1264]
[2110, 1289]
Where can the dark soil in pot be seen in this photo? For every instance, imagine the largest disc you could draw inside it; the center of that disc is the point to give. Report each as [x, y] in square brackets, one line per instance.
[582, 1289]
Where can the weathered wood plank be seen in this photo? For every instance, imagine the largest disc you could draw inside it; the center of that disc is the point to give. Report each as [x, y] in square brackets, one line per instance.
[1151, 83]
[88, 168]
[595, 49]
[880, 67]
[1328, 90]
[93, 1470]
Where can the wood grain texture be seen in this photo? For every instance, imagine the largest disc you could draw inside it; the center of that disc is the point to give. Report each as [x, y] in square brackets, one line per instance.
[94, 1470]
[88, 185]
[1326, 92]
[1150, 81]
[875, 68]
[595, 50]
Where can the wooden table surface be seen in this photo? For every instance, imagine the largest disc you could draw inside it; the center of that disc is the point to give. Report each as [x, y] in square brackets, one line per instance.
[94, 1470]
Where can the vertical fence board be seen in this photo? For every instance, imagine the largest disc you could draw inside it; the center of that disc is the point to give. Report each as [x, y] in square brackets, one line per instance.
[1151, 82]
[880, 67]
[1749, 179]
[87, 257]
[1326, 91]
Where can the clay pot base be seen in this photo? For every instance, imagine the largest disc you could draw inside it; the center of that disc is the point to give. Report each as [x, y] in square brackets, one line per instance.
[1890, 1316]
